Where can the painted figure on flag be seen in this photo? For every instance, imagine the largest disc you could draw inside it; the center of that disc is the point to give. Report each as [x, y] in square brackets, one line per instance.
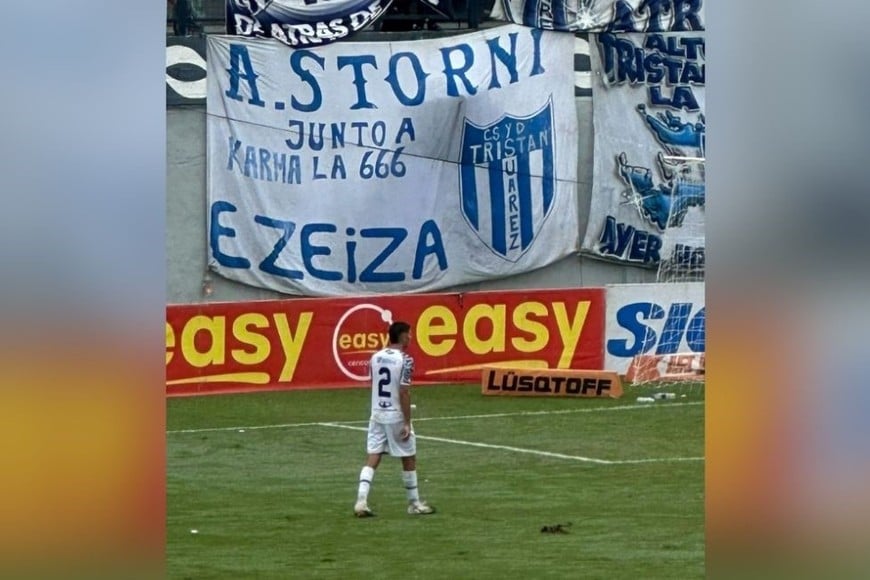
[671, 131]
[664, 205]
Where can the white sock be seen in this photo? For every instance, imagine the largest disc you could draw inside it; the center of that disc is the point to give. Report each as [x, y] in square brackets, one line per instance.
[365, 483]
[410, 479]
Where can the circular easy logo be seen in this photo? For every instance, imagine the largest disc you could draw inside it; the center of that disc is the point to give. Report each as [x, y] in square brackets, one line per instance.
[301, 23]
[360, 333]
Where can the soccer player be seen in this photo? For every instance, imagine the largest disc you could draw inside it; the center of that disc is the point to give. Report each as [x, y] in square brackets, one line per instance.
[390, 429]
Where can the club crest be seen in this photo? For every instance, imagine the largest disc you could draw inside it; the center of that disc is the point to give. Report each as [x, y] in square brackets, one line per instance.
[507, 180]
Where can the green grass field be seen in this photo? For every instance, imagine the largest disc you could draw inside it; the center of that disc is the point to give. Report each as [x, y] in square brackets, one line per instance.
[276, 501]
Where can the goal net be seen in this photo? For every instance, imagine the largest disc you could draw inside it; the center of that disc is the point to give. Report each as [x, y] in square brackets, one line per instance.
[682, 264]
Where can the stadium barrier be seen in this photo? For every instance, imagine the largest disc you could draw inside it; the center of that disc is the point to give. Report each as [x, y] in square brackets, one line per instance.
[498, 380]
[643, 332]
[653, 319]
[327, 342]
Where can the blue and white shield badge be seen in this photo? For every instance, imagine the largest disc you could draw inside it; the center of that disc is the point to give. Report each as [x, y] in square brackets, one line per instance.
[507, 180]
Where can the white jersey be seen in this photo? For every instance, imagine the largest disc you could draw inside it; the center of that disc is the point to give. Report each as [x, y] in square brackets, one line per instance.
[390, 370]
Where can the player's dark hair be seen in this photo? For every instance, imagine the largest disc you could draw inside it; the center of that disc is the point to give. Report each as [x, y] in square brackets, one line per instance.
[396, 330]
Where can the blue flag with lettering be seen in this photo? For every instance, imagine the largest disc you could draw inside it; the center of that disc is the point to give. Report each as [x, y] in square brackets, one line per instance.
[648, 187]
[604, 15]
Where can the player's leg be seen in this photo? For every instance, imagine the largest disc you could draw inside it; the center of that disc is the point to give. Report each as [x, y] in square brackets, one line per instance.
[376, 444]
[409, 477]
[406, 450]
[373, 460]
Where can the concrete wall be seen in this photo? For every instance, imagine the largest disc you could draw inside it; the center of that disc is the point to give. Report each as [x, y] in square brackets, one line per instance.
[186, 246]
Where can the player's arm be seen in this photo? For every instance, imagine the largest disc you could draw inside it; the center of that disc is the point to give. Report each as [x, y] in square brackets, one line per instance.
[405, 404]
[405, 395]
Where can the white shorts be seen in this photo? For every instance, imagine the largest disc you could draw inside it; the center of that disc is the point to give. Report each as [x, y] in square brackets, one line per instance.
[387, 438]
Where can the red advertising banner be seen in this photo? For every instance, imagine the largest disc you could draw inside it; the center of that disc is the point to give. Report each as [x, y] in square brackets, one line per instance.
[327, 342]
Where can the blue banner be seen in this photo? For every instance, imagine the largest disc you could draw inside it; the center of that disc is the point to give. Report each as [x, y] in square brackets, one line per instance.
[649, 190]
[604, 15]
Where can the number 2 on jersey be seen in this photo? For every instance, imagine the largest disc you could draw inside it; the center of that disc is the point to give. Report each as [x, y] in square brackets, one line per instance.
[384, 373]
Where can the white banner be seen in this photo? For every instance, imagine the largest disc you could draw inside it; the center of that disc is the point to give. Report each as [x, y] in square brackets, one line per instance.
[604, 15]
[654, 319]
[649, 190]
[368, 168]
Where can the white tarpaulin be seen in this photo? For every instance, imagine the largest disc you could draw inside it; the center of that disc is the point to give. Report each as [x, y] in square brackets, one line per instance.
[391, 167]
[649, 190]
[604, 15]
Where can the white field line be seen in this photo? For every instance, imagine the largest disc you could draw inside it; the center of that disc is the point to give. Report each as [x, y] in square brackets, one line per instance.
[655, 460]
[556, 412]
[485, 445]
[249, 428]
[447, 418]
[530, 451]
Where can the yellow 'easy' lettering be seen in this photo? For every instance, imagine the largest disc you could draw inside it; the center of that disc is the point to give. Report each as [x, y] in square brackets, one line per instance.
[291, 342]
[570, 332]
[359, 341]
[496, 341]
[436, 321]
[538, 330]
[216, 353]
[170, 342]
[261, 345]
